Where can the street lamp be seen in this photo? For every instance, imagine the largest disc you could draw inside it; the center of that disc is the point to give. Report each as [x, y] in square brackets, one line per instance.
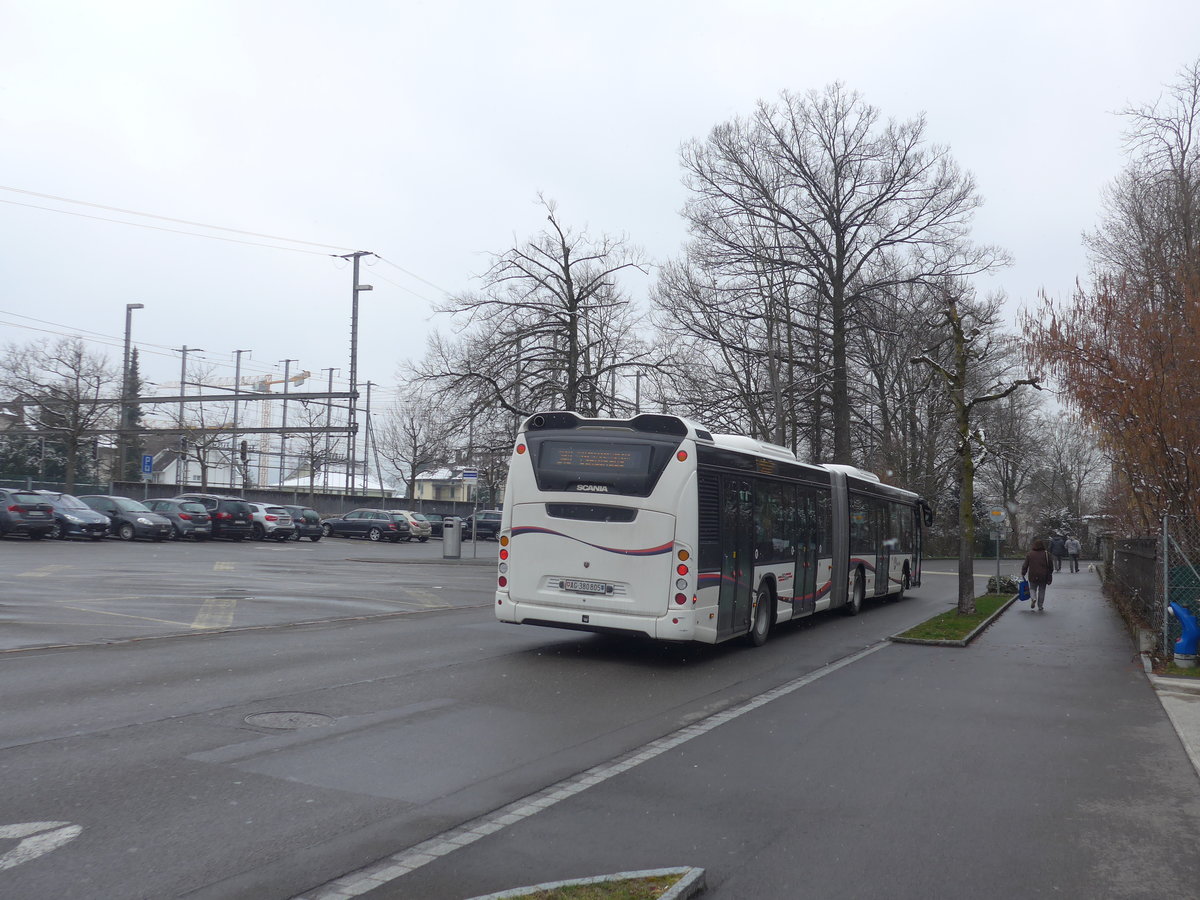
[126, 389]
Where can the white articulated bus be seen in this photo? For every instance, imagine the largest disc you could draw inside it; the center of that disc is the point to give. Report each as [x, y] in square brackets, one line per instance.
[655, 526]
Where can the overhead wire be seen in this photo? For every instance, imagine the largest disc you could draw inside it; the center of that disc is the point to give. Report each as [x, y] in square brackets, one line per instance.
[134, 212]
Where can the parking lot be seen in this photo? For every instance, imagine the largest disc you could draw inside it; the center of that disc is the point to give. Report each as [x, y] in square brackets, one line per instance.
[68, 592]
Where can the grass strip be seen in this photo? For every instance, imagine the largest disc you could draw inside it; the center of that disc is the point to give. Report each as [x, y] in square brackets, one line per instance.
[950, 626]
[626, 889]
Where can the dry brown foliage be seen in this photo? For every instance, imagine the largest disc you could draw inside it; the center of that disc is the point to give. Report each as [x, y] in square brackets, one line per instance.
[1129, 363]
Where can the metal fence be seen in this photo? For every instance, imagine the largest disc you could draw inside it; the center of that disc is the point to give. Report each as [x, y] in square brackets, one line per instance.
[1148, 574]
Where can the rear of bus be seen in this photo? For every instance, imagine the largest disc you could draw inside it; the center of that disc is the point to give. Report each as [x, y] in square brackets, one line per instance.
[598, 532]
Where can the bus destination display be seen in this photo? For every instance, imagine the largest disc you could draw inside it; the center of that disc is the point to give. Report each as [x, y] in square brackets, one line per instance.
[564, 456]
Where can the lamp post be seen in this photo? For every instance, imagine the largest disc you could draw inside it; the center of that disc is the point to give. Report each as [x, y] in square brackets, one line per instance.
[183, 390]
[126, 389]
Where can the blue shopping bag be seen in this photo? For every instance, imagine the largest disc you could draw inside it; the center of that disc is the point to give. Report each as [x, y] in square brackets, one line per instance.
[1022, 590]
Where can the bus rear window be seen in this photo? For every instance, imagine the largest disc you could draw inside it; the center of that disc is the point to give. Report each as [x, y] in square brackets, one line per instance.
[599, 465]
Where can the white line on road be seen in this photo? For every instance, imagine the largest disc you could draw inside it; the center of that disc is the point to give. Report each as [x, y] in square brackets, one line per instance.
[40, 838]
[373, 876]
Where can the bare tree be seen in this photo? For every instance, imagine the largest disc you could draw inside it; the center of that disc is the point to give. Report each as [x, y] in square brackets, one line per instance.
[65, 390]
[551, 327]
[850, 206]
[965, 362]
[415, 436]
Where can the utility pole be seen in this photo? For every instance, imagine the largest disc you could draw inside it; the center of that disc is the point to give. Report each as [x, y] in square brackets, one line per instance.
[283, 436]
[233, 441]
[373, 443]
[183, 390]
[127, 391]
[328, 424]
[353, 414]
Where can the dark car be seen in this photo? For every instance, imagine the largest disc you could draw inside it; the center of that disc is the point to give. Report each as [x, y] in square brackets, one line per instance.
[484, 524]
[373, 524]
[307, 522]
[74, 518]
[436, 521]
[231, 516]
[128, 518]
[189, 518]
[25, 512]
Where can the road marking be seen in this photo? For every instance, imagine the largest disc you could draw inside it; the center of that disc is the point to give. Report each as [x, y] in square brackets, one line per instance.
[216, 613]
[43, 572]
[105, 612]
[224, 566]
[400, 864]
[39, 839]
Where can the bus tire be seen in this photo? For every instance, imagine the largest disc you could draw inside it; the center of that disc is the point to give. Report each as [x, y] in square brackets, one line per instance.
[855, 602]
[760, 629]
[904, 584]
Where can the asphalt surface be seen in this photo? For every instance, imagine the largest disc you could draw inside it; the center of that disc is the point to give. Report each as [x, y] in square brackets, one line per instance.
[59, 593]
[1037, 762]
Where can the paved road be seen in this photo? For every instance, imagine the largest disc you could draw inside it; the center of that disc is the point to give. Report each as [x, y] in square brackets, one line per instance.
[1037, 762]
[412, 724]
[72, 592]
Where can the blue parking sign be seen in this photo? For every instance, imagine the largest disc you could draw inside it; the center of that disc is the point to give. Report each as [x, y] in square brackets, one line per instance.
[147, 464]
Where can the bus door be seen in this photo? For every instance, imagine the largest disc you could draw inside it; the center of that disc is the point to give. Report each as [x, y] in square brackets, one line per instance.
[737, 558]
[885, 540]
[808, 544]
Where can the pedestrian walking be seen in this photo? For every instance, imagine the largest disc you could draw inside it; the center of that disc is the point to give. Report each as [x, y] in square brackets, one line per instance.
[1073, 549]
[1039, 568]
[1058, 549]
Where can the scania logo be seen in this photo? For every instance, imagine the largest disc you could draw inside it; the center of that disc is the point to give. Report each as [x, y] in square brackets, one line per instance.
[594, 488]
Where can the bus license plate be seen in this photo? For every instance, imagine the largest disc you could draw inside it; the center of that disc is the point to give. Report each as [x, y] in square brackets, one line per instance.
[584, 587]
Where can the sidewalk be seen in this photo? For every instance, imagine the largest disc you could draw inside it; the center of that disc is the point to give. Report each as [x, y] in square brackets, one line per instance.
[1036, 762]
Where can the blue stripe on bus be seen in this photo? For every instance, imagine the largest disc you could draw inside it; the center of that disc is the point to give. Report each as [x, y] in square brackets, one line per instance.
[649, 551]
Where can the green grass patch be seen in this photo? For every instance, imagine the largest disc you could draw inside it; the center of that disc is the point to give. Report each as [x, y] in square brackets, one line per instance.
[950, 626]
[649, 888]
[1173, 671]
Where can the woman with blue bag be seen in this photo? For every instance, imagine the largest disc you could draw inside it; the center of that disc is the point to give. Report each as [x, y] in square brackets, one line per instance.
[1040, 569]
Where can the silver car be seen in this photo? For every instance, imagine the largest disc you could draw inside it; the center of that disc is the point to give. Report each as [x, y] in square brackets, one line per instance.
[418, 525]
[269, 521]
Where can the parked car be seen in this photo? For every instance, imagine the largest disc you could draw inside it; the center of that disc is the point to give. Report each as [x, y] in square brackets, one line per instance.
[373, 524]
[484, 524]
[74, 518]
[307, 521]
[270, 521]
[128, 518]
[189, 518]
[25, 512]
[418, 525]
[230, 515]
[436, 521]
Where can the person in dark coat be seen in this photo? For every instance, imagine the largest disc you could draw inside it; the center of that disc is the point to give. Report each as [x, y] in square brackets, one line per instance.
[1058, 549]
[1039, 568]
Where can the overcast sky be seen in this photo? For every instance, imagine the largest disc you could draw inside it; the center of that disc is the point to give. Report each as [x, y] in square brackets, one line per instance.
[424, 132]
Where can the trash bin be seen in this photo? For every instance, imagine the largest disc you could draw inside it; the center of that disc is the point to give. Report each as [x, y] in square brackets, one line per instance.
[451, 538]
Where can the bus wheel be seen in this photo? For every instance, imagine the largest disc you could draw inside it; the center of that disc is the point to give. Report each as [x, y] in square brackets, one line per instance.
[762, 618]
[854, 606]
[905, 584]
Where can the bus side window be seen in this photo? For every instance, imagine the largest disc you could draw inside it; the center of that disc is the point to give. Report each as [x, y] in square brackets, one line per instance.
[709, 485]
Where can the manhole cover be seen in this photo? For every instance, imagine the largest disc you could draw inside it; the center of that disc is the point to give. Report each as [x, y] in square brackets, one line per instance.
[288, 721]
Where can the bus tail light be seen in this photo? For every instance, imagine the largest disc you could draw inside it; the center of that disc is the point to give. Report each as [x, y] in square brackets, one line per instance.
[504, 554]
[502, 581]
[681, 599]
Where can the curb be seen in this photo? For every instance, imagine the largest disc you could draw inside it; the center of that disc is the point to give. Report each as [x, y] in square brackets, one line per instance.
[966, 640]
[689, 885]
